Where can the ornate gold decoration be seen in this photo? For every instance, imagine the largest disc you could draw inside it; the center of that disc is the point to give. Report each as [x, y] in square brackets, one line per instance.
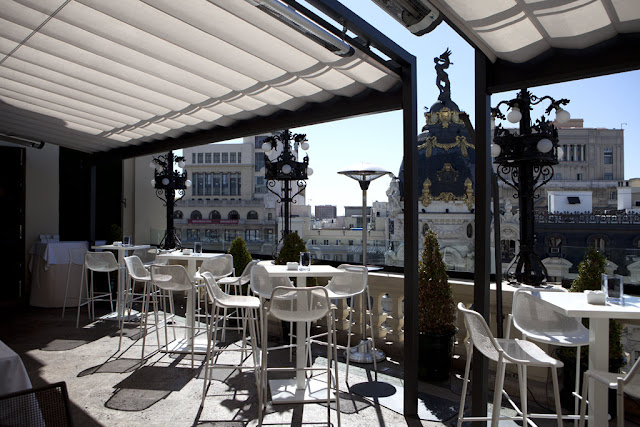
[446, 116]
[447, 197]
[448, 173]
[460, 141]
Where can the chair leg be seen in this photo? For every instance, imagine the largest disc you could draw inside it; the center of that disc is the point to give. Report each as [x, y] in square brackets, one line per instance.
[349, 342]
[335, 367]
[373, 337]
[66, 289]
[577, 388]
[583, 404]
[465, 381]
[556, 395]
[82, 277]
[620, 404]
[497, 393]
[524, 397]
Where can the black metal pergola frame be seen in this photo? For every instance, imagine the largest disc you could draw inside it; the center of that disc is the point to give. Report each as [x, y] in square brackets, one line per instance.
[615, 55]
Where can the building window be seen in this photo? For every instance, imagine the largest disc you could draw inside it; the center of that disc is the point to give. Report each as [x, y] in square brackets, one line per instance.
[252, 235]
[268, 235]
[269, 216]
[351, 244]
[200, 157]
[193, 235]
[207, 157]
[579, 177]
[608, 156]
[178, 215]
[233, 184]
[259, 161]
[225, 184]
[260, 185]
[208, 183]
[214, 215]
[217, 184]
[613, 195]
[252, 215]
[232, 157]
[608, 176]
[314, 242]
[229, 235]
[239, 157]
[349, 257]
[225, 157]
[196, 215]
[216, 157]
[234, 215]
[325, 242]
[200, 184]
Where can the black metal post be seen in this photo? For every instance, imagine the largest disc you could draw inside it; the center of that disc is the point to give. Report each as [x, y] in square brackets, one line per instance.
[166, 182]
[525, 166]
[482, 270]
[286, 168]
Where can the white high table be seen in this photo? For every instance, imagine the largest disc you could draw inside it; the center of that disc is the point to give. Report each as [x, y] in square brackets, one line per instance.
[122, 252]
[184, 345]
[299, 390]
[575, 305]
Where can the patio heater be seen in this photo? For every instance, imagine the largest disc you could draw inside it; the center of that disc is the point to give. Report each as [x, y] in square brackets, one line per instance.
[287, 169]
[525, 162]
[364, 173]
[168, 181]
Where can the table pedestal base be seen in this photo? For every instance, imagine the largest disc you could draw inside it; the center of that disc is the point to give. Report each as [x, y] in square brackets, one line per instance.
[285, 391]
[134, 316]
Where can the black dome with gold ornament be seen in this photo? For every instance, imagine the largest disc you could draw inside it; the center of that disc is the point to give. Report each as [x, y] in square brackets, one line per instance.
[446, 163]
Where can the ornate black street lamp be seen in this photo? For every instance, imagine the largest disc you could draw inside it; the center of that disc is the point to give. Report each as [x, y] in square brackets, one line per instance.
[167, 181]
[525, 162]
[286, 168]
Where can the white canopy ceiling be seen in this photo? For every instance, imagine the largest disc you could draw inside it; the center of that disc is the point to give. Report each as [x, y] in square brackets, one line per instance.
[95, 75]
[520, 30]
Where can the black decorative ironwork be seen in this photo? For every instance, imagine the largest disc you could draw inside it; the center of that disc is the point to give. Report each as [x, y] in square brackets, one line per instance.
[168, 182]
[287, 169]
[525, 163]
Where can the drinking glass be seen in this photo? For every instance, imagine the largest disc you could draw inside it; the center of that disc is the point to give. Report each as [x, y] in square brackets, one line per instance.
[197, 248]
[613, 288]
[305, 260]
[126, 241]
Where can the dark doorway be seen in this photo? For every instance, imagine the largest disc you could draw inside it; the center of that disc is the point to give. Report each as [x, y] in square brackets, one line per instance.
[12, 218]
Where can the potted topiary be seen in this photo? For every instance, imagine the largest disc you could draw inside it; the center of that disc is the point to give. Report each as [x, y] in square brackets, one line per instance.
[292, 245]
[590, 271]
[241, 255]
[436, 313]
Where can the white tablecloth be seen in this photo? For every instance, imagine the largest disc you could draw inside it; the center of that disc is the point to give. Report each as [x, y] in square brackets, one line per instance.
[49, 265]
[12, 373]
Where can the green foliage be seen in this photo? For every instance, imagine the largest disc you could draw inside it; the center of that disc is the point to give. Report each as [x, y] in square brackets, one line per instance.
[290, 252]
[291, 248]
[241, 255]
[436, 308]
[589, 272]
[589, 278]
[115, 233]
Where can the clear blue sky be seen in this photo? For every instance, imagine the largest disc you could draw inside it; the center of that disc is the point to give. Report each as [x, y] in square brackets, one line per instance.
[606, 102]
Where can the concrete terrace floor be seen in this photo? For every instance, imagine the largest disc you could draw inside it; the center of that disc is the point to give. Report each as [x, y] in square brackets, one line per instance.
[112, 388]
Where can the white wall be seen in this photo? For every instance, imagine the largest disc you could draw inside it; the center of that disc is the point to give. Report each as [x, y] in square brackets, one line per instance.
[558, 201]
[145, 214]
[42, 204]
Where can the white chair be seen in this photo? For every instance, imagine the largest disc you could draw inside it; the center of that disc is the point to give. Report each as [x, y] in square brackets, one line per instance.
[220, 268]
[233, 285]
[506, 352]
[249, 306]
[137, 272]
[174, 278]
[621, 383]
[262, 286]
[350, 285]
[148, 256]
[538, 322]
[292, 304]
[96, 262]
[76, 257]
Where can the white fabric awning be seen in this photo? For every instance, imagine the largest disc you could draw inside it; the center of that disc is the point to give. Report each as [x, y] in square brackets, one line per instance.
[520, 30]
[97, 75]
